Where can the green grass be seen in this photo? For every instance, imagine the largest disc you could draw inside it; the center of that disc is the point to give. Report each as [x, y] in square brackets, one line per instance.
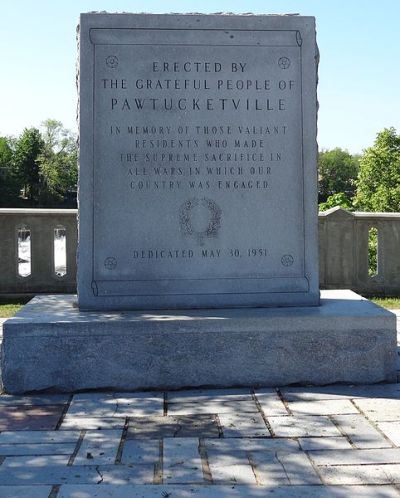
[8, 307]
[389, 303]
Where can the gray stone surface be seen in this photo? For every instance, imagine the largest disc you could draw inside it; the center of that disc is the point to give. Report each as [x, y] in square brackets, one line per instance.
[322, 407]
[303, 426]
[297, 466]
[71, 422]
[182, 462]
[20, 491]
[358, 457]
[346, 339]
[160, 225]
[116, 405]
[360, 474]
[98, 448]
[179, 426]
[227, 491]
[212, 406]
[360, 431]
[391, 430]
[324, 443]
[270, 403]
[138, 452]
[243, 425]
[380, 410]
[108, 463]
[36, 449]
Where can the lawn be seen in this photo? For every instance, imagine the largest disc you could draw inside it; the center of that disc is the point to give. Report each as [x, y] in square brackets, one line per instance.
[8, 307]
[389, 303]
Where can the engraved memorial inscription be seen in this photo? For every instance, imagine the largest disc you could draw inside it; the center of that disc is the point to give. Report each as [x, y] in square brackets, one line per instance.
[198, 158]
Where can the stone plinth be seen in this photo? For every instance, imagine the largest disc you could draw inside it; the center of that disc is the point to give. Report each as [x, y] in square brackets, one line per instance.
[50, 344]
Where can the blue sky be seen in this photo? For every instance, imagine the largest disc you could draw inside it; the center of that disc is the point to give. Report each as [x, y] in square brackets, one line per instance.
[359, 74]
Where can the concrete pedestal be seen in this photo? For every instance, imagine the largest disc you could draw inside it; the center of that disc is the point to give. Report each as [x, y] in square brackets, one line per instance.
[51, 345]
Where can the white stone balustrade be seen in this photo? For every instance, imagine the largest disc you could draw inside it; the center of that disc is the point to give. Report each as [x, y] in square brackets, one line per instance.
[343, 251]
[38, 227]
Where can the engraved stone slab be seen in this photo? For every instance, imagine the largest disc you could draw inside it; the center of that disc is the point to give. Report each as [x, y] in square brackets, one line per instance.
[197, 161]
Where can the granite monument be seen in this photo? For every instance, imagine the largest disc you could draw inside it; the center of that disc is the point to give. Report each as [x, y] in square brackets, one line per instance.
[197, 190]
[198, 161]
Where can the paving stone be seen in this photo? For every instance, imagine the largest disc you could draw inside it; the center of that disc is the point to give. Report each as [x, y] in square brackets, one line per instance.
[313, 393]
[261, 454]
[221, 491]
[22, 491]
[36, 449]
[233, 468]
[360, 474]
[139, 451]
[26, 417]
[322, 407]
[356, 457]
[303, 426]
[360, 431]
[173, 426]
[92, 423]
[117, 405]
[243, 425]
[340, 392]
[38, 437]
[202, 395]
[380, 410]
[79, 474]
[212, 406]
[297, 467]
[29, 462]
[182, 462]
[251, 444]
[125, 474]
[51, 399]
[270, 403]
[391, 430]
[98, 448]
[324, 443]
[269, 470]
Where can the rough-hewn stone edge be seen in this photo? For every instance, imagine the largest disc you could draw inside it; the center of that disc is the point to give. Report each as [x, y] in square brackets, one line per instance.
[244, 14]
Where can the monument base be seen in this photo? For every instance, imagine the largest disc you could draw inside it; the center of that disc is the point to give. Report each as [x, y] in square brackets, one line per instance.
[51, 345]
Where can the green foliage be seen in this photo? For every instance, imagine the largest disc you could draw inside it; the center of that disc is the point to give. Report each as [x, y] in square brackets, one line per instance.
[372, 252]
[9, 186]
[337, 171]
[378, 184]
[38, 169]
[8, 307]
[58, 162]
[6, 152]
[389, 303]
[340, 199]
[25, 162]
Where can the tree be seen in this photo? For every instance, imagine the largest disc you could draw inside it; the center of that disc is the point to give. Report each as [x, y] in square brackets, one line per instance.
[25, 162]
[9, 187]
[6, 153]
[334, 200]
[58, 161]
[378, 183]
[337, 171]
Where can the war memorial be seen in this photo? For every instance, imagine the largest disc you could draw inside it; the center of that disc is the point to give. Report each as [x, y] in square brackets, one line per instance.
[198, 243]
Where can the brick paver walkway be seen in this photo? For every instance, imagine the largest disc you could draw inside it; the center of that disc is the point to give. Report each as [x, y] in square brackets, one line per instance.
[295, 442]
